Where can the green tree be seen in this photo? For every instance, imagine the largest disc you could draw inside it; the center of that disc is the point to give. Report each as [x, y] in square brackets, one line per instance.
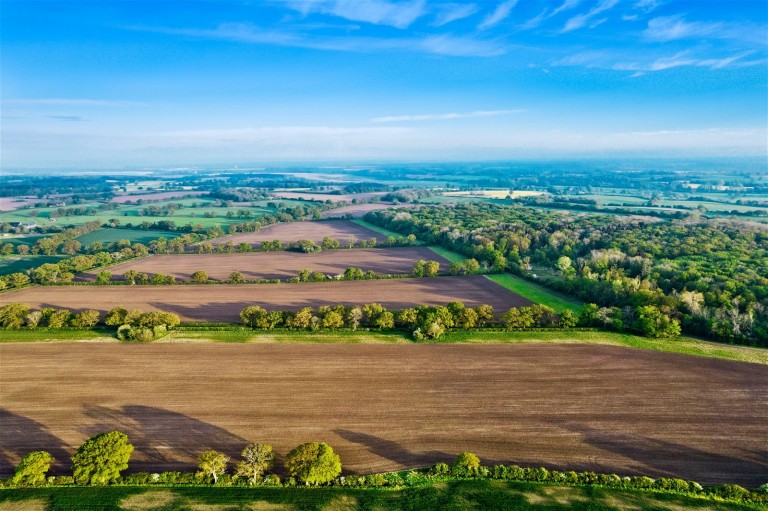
[13, 314]
[568, 319]
[200, 277]
[313, 463]
[103, 277]
[32, 468]
[333, 319]
[212, 464]
[431, 269]
[236, 277]
[101, 458]
[18, 279]
[485, 314]
[86, 319]
[257, 460]
[131, 276]
[116, 316]
[253, 316]
[466, 464]
[418, 268]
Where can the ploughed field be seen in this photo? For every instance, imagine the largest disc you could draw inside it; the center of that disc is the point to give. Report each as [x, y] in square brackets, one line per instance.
[385, 407]
[356, 210]
[221, 302]
[340, 230]
[277, 265]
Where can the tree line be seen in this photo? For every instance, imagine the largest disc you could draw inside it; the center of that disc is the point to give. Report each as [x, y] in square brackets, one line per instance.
[102, 459]
[710, 276]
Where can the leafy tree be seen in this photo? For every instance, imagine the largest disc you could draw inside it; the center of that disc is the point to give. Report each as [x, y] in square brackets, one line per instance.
[212, 464]
[13, 314]
[116, 316]
[302, 318]
[18, 279]
[56, 318]
[485, 314]
[236, 277]
[253, 315]
[466, 464]
[568, 319]
[200, 277]
[131, 276]
[418, 268]
[456, 269]
[431, 269]
[32, 468]
[103, 277]
[244, 247]
[86, 319]
[333, 319]
[313, 463]
[654, 323]
[257, 460]
[101, 458]
[353, 317]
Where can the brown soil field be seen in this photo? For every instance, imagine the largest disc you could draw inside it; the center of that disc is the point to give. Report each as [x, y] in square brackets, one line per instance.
[14, 203]
[326, 196]
[386, 407]
[220, 302]
[277, 265]
[340, 230]
[122, 199]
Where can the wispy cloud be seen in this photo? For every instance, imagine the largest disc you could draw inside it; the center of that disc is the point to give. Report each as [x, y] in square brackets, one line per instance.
[671, 28]
[378, 12]
[444, 117]
[448, 13]
[446, 44]
[648, 5]
[608, 60]
[67, 118]
[498, 15]
[535, 21]
[566, 5]
[581, 20]
[71, 102]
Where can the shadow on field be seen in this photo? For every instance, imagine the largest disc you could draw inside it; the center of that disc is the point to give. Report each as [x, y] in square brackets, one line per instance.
[661, 458]
[163, 439]
[20, 435]
[393, 451]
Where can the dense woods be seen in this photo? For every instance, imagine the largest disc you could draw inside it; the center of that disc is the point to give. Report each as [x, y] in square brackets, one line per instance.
[710, 275]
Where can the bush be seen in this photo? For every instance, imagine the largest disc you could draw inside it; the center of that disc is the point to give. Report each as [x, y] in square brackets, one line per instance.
[441, 469]
[466, 464]
[313, 463]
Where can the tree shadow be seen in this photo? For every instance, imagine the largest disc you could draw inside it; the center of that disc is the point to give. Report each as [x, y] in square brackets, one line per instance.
[20, 435]
[394, 451]
[668, 459]
[163, 440]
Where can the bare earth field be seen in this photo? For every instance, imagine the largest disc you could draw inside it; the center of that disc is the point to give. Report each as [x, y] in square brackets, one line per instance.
[122, 199]
[385, 407]
[277, 265]
[340, 230]
[14, 203]
[219, 302]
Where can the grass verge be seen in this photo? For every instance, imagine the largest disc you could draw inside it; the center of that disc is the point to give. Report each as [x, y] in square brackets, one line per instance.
[376, 228]
[449, 495]
[536, 293]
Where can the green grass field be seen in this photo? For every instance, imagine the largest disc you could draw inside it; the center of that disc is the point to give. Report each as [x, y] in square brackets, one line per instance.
[442, 496]
[132, 235]
[536, 293]
[13, 264]
[376, 228]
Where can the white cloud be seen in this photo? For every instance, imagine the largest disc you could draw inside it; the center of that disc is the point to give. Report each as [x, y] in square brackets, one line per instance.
[648, 5]
[498, 15]
[684, 59]
[581, 20]
[446, 44]
[448, 13]
[443, 117]
[669, 28]
[535, 21]
[378, 12]
[566, 5]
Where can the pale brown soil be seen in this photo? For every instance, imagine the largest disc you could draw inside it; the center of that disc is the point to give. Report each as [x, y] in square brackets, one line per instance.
[325, 196]
[340, 230]
[385, 407]
[14, 203]
[122, 199]
[277, 265]
[221, 302]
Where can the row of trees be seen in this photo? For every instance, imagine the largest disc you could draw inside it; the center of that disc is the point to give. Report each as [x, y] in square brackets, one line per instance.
[100, 460]
[706, 275]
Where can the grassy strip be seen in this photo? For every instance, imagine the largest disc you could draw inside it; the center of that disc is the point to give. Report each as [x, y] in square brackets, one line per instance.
[536, 293]
[683, 345]
[56, 335]
[452, 256]
[376, 228]
[456, 495]
[287, 336]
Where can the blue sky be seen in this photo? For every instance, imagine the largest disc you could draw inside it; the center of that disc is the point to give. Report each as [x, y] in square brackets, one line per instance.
[100, 83]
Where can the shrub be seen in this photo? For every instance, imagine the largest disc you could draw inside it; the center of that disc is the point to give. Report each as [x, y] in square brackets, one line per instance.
[466, 464]
[441, 469]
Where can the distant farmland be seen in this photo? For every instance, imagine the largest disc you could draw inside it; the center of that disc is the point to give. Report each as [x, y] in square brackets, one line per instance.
[387, 407]
[219, 302]
[277, 265]
[340, 230]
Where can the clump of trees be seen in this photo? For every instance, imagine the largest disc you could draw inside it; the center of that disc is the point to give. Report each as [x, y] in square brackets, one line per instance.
[136, 325]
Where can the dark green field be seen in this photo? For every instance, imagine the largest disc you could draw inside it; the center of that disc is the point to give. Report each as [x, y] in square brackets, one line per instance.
[133, 235]
[13, 264]
[443, 496]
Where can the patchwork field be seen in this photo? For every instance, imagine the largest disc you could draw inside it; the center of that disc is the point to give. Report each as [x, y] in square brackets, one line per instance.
[340, 230]
[385, 407]
[356, 210]
[133, 197]
[277, 265]
[326, 196]
[224, 302]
